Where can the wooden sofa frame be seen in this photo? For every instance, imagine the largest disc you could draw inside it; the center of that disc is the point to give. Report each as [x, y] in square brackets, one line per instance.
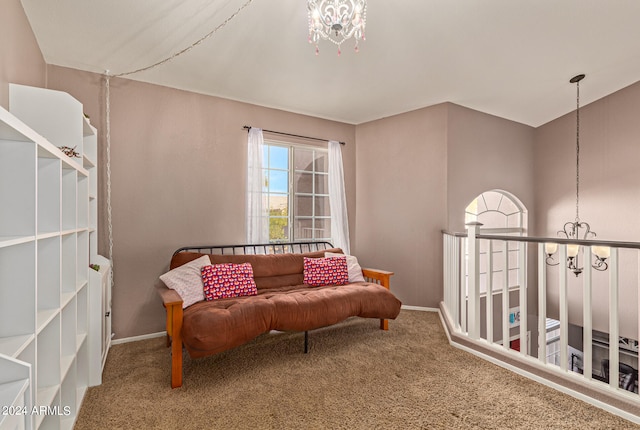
[172, 301]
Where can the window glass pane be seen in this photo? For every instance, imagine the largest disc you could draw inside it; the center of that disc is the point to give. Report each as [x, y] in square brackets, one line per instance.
[323, 228]
[468, 217]
[322, 184]
[303, 159]
[507, 206]
[278, 181]
[303, 182]
[278, 205]
[322, 162]
[492, 199]
[278, 157]
[513, 220]
[473, 207]
[303, 228]
[303, 206]
[278, 229]
[492, 219]
[322, 206]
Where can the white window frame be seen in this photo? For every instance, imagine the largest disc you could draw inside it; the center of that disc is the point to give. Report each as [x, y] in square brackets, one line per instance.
[292, 193]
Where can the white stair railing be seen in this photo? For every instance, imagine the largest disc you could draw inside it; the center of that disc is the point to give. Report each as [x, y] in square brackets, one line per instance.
[467, 268]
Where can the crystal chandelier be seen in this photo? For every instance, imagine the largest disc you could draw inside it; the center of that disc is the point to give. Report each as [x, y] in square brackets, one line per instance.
[577, 229]
[336, 21]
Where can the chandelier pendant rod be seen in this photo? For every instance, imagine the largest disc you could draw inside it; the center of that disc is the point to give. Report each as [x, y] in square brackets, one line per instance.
[576, 80]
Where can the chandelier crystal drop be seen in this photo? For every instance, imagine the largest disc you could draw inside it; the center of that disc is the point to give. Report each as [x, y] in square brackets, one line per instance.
[336, 21]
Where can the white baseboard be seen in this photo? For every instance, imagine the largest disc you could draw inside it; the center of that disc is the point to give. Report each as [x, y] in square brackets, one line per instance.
[137, 338]
[419, 308]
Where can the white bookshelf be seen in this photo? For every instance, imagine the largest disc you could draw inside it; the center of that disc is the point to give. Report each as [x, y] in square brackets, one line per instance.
[48, 234]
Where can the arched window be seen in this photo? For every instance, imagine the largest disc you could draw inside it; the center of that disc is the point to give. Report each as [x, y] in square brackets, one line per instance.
[500, 213]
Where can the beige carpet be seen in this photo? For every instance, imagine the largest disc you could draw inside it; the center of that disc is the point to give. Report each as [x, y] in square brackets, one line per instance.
[355, 377]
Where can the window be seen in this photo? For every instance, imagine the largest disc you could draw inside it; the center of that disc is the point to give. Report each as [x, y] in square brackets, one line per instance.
[296, 191]
[553, 341]
[500, 213]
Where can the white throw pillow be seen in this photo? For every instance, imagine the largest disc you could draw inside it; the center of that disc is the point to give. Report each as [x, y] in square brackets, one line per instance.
[187, 280]
[355, 271]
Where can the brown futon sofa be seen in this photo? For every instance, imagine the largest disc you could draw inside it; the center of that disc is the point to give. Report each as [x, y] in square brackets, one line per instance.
[282, 303]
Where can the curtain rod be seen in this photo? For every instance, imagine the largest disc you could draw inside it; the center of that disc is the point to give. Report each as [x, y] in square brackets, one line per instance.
[248, 127]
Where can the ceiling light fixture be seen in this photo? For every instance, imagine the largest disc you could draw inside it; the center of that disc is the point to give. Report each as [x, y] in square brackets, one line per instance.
[578, 229]
[336, 21]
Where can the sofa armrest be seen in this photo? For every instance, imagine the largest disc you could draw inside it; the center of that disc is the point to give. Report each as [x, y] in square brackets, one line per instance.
[172, 302]
[380, 277]
[169, 297]
[376, 276]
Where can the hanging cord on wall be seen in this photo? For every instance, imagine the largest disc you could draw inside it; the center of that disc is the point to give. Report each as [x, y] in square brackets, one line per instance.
[107, 87]
[107, 94]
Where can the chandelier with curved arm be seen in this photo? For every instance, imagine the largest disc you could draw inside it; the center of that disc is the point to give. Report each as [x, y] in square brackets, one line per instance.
[578, 229]
[336, 21]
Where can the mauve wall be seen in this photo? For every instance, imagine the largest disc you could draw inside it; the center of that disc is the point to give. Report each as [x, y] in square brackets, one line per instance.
[402, 200]
[416, 173]
[609, 192]
[486, 152]
[178, 178]
[21, 61]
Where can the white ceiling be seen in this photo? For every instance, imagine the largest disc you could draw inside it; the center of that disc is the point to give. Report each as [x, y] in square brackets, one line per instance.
[510, 58]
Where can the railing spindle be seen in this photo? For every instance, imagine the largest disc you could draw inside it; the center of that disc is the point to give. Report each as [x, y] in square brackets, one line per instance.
[542, 304]
[446, 263]
[505, 296]
[456, 280]
[489, 295]
[462, 291]
[522, 285]
[587, 318]
[564, 310]
[614, 357]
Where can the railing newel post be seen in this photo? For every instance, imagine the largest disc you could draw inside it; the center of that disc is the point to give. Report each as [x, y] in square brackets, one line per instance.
[473, 229]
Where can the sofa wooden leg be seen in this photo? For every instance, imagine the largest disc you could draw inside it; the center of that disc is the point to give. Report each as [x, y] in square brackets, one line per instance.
[306, 342]
[384, 324]
[176, 347]
[176, 364]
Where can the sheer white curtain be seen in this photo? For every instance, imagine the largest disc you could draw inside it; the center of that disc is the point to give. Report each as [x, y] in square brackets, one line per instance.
[257, 221]
[338, 199]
